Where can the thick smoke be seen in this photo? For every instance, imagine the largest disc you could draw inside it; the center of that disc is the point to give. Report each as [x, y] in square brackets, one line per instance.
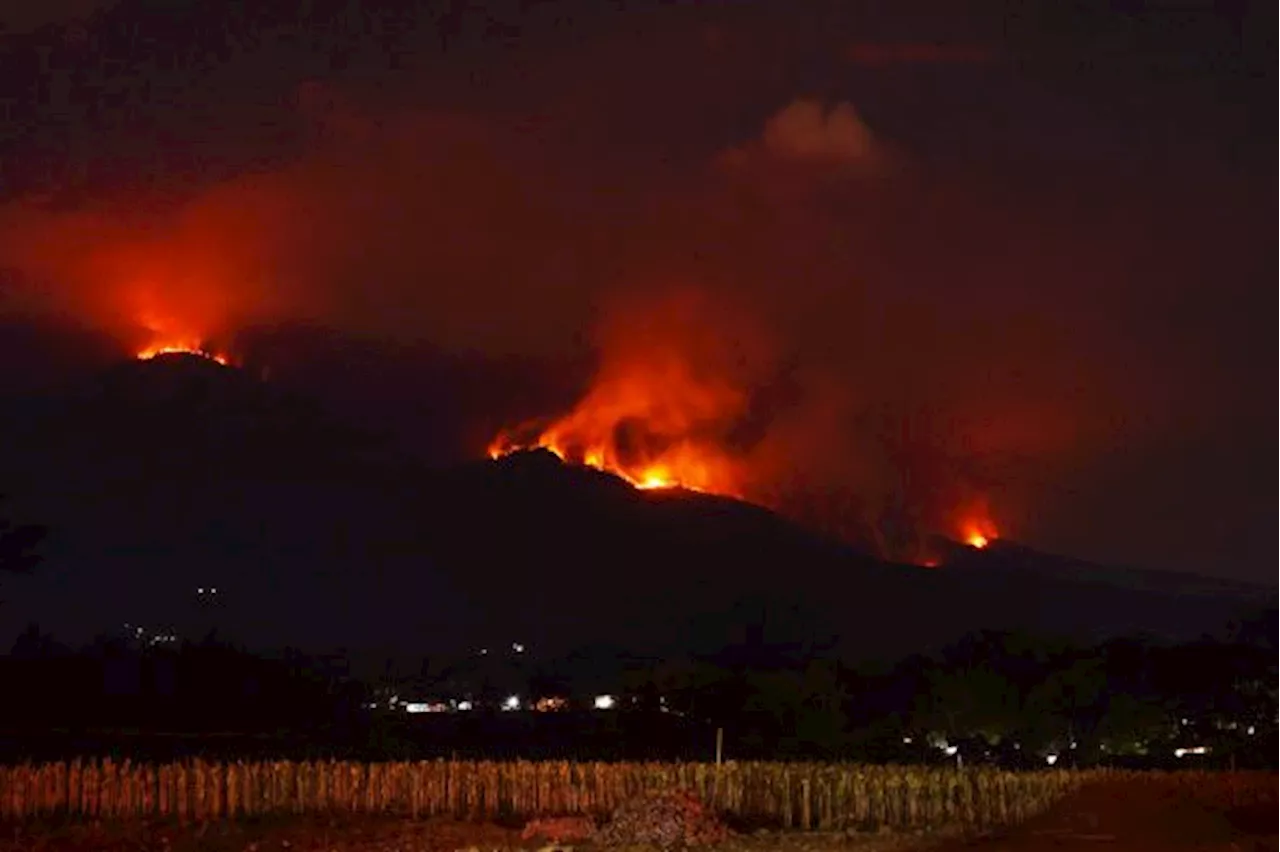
[893, 347]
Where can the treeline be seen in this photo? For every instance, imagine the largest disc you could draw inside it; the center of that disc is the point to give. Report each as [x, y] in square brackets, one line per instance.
[992, 698]
[156, 683]
[1002, 698]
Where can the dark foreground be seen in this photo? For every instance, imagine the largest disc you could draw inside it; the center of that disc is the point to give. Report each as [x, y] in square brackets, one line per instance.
[1131, 814]
[384, 835]
[1146, 815]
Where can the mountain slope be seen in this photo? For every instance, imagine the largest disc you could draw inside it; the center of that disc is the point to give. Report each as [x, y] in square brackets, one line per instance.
[161, 477]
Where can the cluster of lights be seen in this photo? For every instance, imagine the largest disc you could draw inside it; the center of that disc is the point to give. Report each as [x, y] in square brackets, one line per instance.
[1183, 752]
[516, 648]
[416, 707]
[1050, 758]
[512, 703]
[152, 640]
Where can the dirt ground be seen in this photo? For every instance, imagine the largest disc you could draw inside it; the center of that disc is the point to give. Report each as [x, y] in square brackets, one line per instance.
[1142, 817]
[374, 835]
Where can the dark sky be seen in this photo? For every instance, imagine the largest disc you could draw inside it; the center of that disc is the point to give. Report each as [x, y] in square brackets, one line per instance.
[1040, 233]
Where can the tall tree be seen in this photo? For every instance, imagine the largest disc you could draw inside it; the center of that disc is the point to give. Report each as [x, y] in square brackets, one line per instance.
[974, 701]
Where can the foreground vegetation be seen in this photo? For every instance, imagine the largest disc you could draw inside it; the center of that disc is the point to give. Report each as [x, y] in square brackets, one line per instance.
[1010, 700]
[805, 796]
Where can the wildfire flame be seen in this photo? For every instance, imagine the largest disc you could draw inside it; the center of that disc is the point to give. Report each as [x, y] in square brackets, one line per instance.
[651, 423]
[686, 466]
[180, 349]
[670, 387]
[979, 533]
[667, 407]
[170, 336]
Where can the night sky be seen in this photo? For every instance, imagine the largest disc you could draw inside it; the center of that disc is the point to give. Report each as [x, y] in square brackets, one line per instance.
[1036, 237]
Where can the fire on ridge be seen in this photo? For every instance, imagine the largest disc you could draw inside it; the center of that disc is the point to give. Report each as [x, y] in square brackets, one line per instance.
[651, 475]
[673, 384]
[177, 349]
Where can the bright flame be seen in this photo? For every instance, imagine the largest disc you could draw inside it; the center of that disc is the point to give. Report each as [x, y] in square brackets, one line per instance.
[689, 466]
[672, 383]
[979, 534]
[650, 424]
[178, 349]
[171, 336]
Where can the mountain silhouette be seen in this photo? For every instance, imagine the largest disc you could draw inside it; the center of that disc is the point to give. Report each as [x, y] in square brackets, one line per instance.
[156, 477]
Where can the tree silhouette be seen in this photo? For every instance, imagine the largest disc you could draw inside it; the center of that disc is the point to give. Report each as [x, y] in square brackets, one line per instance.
[17, 545]
[973, 701]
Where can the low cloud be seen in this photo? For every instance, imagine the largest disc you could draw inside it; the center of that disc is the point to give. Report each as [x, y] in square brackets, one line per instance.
[807, 132]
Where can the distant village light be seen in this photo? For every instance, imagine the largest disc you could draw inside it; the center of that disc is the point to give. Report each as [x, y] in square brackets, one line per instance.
[512, 702]
[551, 704]
[605, 702]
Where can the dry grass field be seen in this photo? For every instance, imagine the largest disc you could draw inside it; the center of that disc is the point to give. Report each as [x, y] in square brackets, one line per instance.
[1129, 811]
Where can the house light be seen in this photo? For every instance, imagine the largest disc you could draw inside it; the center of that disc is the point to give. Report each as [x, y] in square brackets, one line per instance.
[1183, 752]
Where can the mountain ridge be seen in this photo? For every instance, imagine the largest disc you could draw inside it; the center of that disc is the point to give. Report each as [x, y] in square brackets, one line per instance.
[173, 470]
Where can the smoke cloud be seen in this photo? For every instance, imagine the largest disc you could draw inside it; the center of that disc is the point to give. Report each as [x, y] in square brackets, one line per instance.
[925, 339]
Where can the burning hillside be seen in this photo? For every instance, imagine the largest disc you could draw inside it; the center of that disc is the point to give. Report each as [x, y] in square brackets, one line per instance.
[193, 349]
[675, 403]
[657, 410]
[649, 424]
[663, 403]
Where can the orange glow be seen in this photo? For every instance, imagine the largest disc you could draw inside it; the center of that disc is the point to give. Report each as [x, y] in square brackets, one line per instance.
[651, 423]
[669, 388]
[978, 533]
[170, 336]
[691, 466]
[179, 349]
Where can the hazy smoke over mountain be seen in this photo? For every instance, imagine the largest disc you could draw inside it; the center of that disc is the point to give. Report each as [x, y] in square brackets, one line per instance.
[939, 335]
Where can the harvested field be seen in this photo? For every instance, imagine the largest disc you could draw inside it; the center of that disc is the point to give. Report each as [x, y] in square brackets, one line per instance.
[1138, 812]
[1125, 812]
[804, 796]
